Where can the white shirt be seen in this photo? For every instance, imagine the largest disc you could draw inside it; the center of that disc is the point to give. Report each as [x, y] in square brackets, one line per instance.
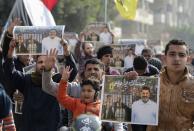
[144, 113]
[106, 38]
[48, 43]
[128, 62]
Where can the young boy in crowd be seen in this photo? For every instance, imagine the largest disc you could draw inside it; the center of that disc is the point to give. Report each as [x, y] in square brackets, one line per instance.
[87, 103]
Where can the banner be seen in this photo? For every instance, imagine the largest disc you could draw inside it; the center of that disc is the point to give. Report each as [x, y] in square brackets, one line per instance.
[130, 101]
[37, 40]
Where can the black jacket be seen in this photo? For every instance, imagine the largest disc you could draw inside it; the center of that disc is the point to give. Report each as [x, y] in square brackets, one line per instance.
[5, 103]
[151, 70]
[40, 110]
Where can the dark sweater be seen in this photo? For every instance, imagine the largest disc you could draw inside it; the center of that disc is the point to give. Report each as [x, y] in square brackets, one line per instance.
[151, 70]
[40, 110]
[5, 103]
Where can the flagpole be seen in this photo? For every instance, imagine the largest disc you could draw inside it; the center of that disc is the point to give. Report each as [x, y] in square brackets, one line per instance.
[105, 11]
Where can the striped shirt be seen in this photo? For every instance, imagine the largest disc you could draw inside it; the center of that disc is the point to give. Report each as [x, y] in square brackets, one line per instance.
[7, 123]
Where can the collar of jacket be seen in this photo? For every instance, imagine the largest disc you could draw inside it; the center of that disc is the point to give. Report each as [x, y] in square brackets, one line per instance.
[164, 75]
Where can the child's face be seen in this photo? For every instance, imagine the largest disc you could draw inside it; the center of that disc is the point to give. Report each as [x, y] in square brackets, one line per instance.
[87, 94]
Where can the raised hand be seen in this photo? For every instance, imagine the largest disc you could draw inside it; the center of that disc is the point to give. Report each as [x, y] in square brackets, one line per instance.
[11, 48]
[1, 53]
[1, 50]
[50, 59]
[15, 22]
[66, 73]
[66, 49]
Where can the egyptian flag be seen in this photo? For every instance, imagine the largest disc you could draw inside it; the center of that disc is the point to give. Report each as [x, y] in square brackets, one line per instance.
[31, 13]
[50, 4]
[38, 13]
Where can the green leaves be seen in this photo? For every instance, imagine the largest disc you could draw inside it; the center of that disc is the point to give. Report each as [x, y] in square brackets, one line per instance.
[75, 14]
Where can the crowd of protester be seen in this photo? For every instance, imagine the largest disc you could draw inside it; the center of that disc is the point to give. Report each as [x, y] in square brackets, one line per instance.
[54, 100]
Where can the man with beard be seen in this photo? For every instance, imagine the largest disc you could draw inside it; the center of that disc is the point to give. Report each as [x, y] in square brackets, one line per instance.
[93, 68]
[52, 41]
[144, 111]
[86, 53]
[40, 110]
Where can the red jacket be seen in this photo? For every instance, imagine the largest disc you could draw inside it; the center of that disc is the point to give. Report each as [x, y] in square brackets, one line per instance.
[75, 104]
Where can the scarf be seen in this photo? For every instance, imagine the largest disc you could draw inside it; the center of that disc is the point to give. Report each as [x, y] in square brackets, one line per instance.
[36, 78]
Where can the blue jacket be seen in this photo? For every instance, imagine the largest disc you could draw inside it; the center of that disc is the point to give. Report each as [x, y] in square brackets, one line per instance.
[41, 111]
[5, 103]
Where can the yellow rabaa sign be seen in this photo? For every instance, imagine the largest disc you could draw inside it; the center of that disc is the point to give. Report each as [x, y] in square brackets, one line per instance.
[127, 8]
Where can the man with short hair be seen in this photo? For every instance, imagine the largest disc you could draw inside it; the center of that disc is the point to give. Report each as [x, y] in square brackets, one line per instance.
[128, 60]
[93, 68]
[104, 54]
[144, 111]
[176, 90]
[52, 41]
[141, 66]
[85, 53]
[147, 53]
[40, 110]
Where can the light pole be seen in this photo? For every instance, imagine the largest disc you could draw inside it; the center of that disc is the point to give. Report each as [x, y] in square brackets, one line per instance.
[105, 11]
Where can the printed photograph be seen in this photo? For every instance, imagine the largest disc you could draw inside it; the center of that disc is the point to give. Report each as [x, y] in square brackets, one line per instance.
[121, 52]
[140, 44]
[130, 101]
[37, 40]
[98, 32]
[72, 39]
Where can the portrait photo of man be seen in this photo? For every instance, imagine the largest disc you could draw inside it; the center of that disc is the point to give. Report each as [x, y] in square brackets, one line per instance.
[144, 110]
[52, 41]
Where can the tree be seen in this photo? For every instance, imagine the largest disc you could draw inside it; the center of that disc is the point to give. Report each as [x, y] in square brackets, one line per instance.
[75, 14]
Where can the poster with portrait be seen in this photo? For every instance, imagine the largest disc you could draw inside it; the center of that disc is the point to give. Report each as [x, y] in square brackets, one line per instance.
[140, 44]
[120, 55]
[96, 27]
[130, 101]
[92, 31]
[72, 39]
[155, 45]
[37, 40]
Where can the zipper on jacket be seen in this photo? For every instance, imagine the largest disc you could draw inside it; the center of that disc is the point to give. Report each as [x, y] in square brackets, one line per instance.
[169, 105]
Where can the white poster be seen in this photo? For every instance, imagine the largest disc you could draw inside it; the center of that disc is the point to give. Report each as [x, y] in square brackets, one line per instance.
[37, 40]
[130, 101]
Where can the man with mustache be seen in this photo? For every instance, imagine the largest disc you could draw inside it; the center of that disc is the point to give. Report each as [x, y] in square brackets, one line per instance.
[40, 111]
[144, 110]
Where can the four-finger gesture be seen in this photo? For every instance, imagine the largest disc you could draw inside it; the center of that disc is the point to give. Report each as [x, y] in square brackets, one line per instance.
[11, 48]
[15, 22]
[66, 73]
[50, 59]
